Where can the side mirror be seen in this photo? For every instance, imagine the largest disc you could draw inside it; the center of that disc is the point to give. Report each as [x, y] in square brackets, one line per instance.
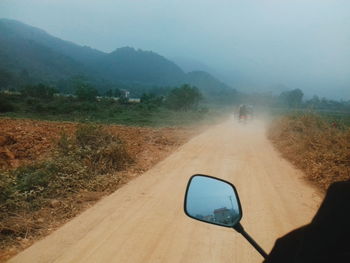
[213, 201]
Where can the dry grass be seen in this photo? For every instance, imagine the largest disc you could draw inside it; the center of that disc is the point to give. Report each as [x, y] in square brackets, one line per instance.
[56, 170]
[87, 161]
[318, 147]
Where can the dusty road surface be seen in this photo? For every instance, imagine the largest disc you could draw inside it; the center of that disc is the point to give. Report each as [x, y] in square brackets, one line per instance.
[144, 220]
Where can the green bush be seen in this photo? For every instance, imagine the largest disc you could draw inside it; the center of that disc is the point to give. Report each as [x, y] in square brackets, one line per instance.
[35, 177]
[41, 91]
[6, 187]
[123, 100]
[184, 98]
[85, 92]
[40, 108]
[87, 107]
[76, 165]
[5, 103]
[101, 151]
[32, 101]
[152, 99]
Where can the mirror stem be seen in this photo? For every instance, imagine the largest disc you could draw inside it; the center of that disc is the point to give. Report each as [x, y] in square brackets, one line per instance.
[239, 228]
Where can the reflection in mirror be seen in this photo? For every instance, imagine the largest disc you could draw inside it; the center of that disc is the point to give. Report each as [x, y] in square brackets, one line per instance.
[212, 201]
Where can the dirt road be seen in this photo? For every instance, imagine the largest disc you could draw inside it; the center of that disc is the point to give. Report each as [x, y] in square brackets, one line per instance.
[144, 220]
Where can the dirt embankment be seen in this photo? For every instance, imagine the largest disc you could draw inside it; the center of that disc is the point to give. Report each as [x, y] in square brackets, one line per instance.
[319, 148]
[24, 142]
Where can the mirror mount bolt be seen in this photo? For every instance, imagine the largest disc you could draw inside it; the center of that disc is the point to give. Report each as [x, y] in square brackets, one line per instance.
[239, 228]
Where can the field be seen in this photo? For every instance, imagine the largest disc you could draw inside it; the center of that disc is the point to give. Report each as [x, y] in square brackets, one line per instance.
[333, 116]
[51, 171]
[106, 111]
[317, 144]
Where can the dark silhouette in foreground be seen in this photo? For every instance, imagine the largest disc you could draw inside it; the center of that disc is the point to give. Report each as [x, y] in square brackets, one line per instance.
[326, 238]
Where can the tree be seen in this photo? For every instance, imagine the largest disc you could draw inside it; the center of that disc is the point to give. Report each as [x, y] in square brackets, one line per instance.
[23, 78]
[151, 98]
[5, 104]
[184, 98]
[315, 102]
[292, 98]
[86, 92]
[117, 93]
[6, 79]
[123, 100]
[109, 93]
[40, 91]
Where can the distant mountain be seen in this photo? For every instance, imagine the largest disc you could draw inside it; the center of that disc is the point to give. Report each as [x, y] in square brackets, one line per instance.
[131, 65]
[31, 52]
[17, 30]
[206, 82]
[189, 64]
[20, 52]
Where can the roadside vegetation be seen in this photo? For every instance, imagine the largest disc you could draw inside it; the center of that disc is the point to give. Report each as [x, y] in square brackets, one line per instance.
[317, 144]
[180, 106]
[87, 161]
[51, 171]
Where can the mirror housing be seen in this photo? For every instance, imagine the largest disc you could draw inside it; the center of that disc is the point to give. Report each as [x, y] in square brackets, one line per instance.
[212, 200]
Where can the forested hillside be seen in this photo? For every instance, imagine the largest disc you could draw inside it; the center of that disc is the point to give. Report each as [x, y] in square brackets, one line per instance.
[29, 55]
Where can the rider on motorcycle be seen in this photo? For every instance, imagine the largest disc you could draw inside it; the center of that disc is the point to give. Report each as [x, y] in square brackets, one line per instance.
[243, 112]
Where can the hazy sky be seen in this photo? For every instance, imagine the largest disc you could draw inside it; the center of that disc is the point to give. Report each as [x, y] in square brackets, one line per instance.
[249, 43]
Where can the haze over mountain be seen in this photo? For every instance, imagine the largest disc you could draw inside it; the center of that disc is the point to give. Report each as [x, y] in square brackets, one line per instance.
[42, 57]
[32, 50]
[253, 44]
[128, 64]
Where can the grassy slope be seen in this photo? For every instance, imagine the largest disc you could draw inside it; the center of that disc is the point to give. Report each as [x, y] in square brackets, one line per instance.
[316, 144]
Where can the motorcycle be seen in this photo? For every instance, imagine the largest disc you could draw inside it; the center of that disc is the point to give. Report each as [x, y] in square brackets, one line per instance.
[324, 239]
[215, 201]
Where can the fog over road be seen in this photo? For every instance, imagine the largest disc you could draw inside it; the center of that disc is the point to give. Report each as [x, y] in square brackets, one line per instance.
[144, 220]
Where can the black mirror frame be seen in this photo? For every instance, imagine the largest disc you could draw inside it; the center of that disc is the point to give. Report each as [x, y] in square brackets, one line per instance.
[212, 177]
